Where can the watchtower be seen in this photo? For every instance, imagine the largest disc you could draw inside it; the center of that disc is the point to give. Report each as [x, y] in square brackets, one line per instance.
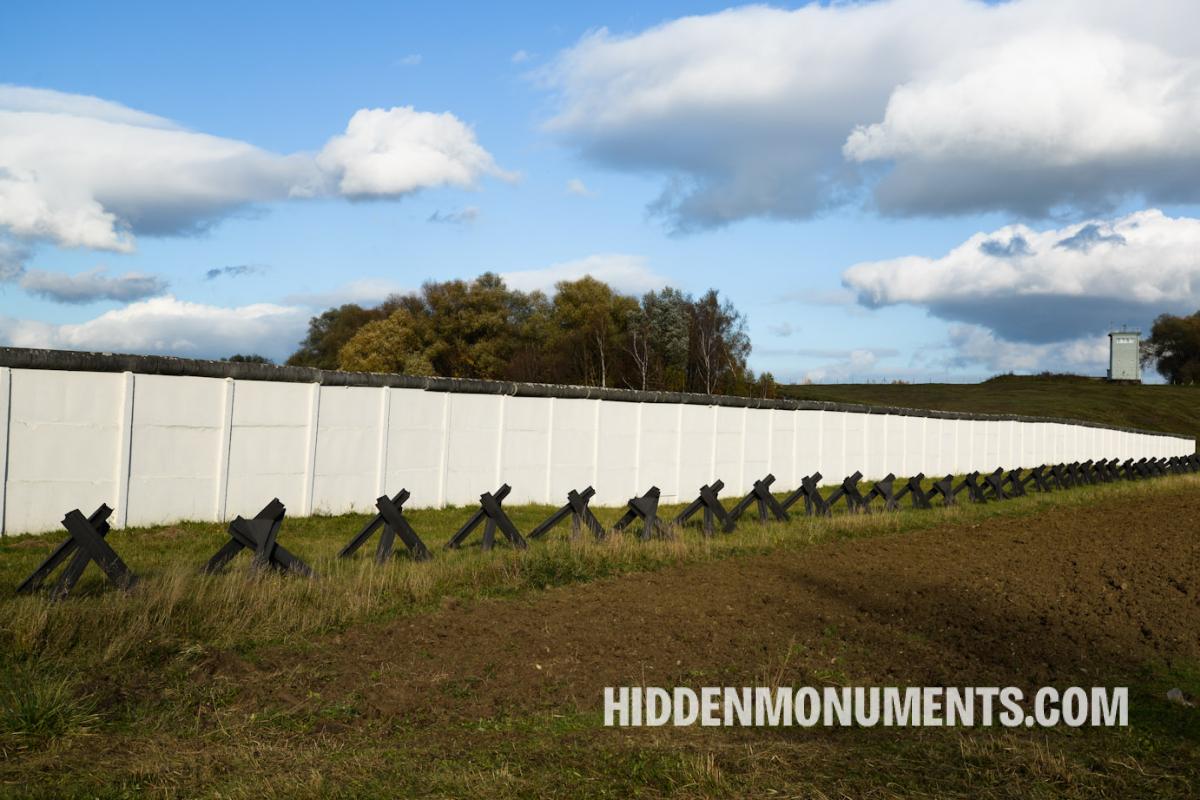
[1124, 363]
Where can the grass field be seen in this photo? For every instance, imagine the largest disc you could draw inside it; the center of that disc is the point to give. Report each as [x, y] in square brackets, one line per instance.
[478, 673]
[1172, 409]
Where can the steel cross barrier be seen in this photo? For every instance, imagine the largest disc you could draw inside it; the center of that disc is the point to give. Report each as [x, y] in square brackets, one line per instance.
[85, 543]
[810, 492]
[1037, 477]
[760, 495]
[920, 498]
[970, 482]
[1127, 471]
[1059, 476]
[1016, 486]
[945, 487]
[1111, 470]
[849, 490]
[393, 522]
[259, 535]
[995, 482]
[493, 515]
[885, 489]
[713, 509]
[581, 516]
[645, 508]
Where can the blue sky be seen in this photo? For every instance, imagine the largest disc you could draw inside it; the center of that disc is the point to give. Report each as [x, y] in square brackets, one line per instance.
[887, 190]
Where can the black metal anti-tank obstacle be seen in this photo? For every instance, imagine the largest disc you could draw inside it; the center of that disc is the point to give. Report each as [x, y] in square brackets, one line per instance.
[646, 509]
[261, 536]
[86, 542]
[393, 523]
[714, 510]
[581, 516]
[493, 516]
[84, 545]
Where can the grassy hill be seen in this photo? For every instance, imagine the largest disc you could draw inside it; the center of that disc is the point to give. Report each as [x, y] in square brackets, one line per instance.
[1174, 409]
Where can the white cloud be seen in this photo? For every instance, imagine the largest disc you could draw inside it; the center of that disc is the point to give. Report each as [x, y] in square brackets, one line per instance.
[389, 152]
[91, 286]
[577, 187]
[855, 366]
[364, 291]
[951, 105]
[84, 172]
[1052, 285]
[974, 346]
[410, 60]
[781, 329]
[520, 57]
[625, 273]
[167, 326]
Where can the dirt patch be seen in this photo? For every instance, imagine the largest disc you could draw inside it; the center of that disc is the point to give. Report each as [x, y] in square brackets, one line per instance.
[1072, 596]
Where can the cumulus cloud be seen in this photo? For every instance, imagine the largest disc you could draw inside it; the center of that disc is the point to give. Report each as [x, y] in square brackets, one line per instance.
[464, 216]
[1060, 284]
[972, 346]
[933, 106]
[390, 152]
[167, 326]
[625, 273]
[91, 286]
[80, 171]
[850, 367]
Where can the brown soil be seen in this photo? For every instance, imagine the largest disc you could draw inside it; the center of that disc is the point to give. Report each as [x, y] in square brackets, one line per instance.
[1074, 596]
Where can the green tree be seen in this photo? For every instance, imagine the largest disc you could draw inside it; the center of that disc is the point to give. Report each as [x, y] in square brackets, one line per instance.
[455, 328]
[657, 331]
[590, 320]
[249, 358]
[1174, 347]
[719, 345]
[331, 329]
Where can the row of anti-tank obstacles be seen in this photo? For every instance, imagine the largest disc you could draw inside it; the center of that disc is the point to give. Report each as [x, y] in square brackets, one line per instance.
[86, 541]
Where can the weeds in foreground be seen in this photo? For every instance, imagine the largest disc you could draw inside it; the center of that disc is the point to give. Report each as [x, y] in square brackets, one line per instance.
[36, 707]
[177, 615]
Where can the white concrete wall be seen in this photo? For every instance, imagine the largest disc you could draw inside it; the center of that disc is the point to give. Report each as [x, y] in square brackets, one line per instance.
[160, 449]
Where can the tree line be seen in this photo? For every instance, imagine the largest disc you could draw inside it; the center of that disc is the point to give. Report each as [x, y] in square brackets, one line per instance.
[585, 333]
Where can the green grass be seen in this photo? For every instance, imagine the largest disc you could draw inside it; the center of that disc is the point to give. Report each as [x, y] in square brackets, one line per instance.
[175, 611]
[119, 669]
[1171, 409]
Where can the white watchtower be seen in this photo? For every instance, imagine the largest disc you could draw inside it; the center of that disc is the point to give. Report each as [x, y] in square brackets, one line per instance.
[1124, 349]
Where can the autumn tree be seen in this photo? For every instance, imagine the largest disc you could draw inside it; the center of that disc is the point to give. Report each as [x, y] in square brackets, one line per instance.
[589, 320]
[331, 329]
[719, 344]
[1174, 347]
[586, 333]
[454, 328]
